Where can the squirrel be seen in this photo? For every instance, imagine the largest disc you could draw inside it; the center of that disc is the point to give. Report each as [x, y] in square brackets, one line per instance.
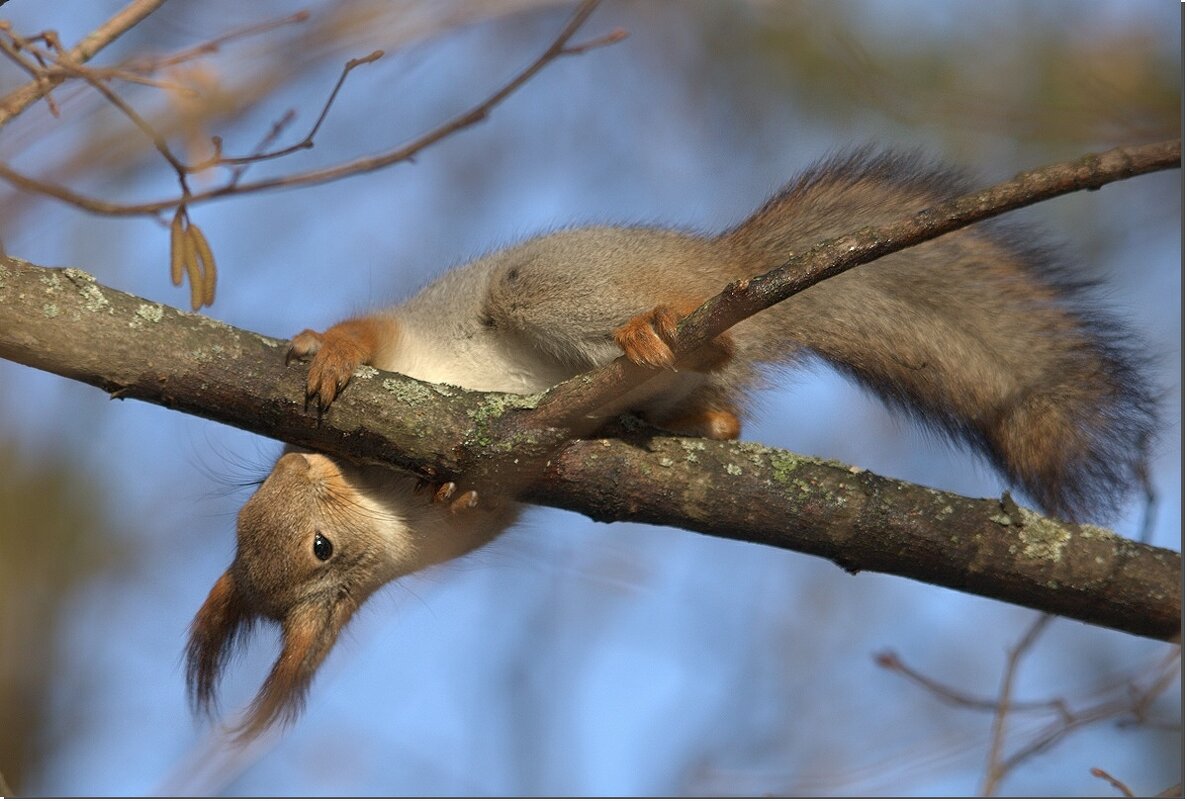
[980, 334]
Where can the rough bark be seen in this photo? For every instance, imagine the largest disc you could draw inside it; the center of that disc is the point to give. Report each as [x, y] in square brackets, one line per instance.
[63, 321]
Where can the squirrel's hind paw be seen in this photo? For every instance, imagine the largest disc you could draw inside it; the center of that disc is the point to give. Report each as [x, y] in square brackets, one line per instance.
[647, 339]
[446, 492]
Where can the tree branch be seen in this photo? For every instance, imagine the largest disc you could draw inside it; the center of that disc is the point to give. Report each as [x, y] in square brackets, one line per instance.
[21, 98]
[63, 321]
[557, 49]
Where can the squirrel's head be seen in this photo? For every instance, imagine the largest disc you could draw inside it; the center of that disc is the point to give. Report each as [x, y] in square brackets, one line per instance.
[313, 543]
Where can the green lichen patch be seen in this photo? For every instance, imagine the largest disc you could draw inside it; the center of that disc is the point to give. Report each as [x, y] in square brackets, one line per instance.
[216, 325]
[211, 355]
[1090, 532]
[691, 448]
[495, 404]
[147, 313]
[1042, 538]
[88, 288]
[50, 310]
[733, 469]
[78, 276]
[408, 393]
[784, 466]
[268, 342]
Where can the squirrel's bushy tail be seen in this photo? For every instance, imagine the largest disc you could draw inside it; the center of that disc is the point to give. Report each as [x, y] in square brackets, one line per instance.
[980, 333]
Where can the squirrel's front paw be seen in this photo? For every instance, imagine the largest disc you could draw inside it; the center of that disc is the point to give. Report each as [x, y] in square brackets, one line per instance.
[336, 354]
[333, 358]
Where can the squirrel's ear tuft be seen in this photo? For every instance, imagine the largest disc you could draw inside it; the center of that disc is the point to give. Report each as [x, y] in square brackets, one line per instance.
[309, 632]
[220, 624]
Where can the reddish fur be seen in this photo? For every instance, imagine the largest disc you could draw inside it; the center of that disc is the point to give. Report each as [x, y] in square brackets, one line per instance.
[309, 633]
[338, 352]
[221, 618]
[646, 339]
[705, 422]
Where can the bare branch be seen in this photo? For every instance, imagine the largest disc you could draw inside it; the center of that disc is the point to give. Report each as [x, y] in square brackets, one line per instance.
[994, 770]
[69, 67]
[558, 48]
[1136, 701]
[1118, 785]
[149, 65]
[1125, 699]
[20, 99]
[307, 142]
[951, 695]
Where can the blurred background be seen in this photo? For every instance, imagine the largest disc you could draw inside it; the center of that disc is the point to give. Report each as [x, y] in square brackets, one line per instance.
[568, 658]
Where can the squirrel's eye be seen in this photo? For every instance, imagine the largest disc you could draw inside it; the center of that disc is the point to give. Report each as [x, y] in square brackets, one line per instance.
[322, 547]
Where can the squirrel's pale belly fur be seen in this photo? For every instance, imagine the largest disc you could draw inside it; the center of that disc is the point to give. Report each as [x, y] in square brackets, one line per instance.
[979, 334]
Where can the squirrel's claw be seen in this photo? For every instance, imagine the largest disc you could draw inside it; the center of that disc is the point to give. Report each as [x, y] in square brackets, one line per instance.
[333, 357]
[328, 375]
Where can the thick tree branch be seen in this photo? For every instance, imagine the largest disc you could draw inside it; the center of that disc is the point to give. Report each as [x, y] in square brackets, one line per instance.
[65, 322]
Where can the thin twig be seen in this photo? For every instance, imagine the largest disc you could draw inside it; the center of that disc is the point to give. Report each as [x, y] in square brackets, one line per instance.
[557, 49]
[1127, 697]
[307, 142]
[263, 145]
[149, 65]
[951, 695]
[13, 49]
[1118, 785]
[68, 66]
[14, 55]
[1106, 710]
[994, 770]
[5, 790]
[21, 98]
[117, 74]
